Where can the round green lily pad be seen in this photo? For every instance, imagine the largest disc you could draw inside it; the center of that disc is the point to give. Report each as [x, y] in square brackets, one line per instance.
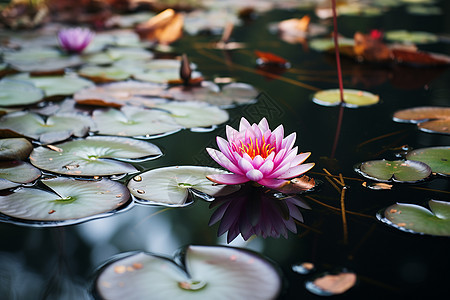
[417, 219]
[40, 60]
[413, 37]
[114, 54]
[55, 128]
[240, 93]
[134, 121]
[65, 199]
[16, 92]
[172, 185]
[207, 272]
[56, 85]
[104, 74]
[397, 171]
[195, 114]
[438, 158]
[93, 156]
[161, 75]
[352, 98]
[15, 149]
[15, 172]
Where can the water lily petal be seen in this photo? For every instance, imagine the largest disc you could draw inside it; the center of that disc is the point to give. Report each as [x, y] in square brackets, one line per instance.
[289, 141]
[225, 148]
[245, 165]
[254, 175]
[300, 158]
[244, 125]
[231, 133]
[222, 160]
[257, 161]
[272, 183]
[263, 125]
[296, 171]
[227, 178]
[266, 167]
[277, 137]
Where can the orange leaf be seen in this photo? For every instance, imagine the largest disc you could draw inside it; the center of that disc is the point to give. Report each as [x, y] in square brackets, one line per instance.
[270, 58]
[165, 28]
[420, 58]
[336, 284]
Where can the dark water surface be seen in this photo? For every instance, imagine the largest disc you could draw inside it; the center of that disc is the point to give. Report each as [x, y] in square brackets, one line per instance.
[57, 263]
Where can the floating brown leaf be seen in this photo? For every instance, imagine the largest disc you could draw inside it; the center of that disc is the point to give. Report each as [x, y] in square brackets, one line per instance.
[336, 284]
[298, 185]
[165, 28]
[270, 59]
[430, 119]
[422, 114]
[295, 26]
[419, 58]
[370, 49]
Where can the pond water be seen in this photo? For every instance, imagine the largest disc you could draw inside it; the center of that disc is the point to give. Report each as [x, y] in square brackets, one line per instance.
[59, 263]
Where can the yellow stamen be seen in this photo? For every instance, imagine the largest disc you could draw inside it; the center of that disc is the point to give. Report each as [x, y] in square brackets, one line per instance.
[253, 149]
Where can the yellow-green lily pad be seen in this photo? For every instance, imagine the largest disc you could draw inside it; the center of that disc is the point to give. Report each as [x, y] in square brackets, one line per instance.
[352, 98]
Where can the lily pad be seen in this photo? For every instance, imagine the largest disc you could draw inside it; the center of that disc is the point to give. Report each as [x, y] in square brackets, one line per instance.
[15, 149]
[15, 172]
[205, 272]
[397, 171]
[412, 37]
[58, 127]
[134, 121]
[172, 185]
[195, 114]
[65, 199]
[93, 156]
[115, 54]
[421, 114]
[122, 93]
[56, 85]
[429, 118]
[40, 60]
[438, 158]
[352, 98]
[104, 74]
[162, 75]
[417, 219]
[15, 92]
[327, 44]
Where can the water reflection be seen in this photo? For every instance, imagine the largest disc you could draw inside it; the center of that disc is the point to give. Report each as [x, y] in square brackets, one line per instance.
[256, 210]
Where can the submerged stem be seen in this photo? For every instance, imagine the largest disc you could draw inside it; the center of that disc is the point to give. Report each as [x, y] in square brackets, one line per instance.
[336, 49]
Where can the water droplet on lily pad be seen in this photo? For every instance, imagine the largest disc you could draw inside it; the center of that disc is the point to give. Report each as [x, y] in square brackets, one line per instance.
[208, 272]
[172, 185]
[352, 98]
[418, 219]
[394, 171]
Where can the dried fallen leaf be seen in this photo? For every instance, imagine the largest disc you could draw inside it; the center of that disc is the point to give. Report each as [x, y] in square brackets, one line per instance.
[298, 185]
[267, 58]
[371, 49]
[165, 28]
[336, 284]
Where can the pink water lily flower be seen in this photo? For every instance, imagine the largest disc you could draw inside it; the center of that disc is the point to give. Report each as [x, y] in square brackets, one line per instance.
[75, 40]
[255, 153]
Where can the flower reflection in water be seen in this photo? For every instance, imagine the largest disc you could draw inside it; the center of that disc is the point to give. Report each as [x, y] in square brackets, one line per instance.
[75, 40]
[256, 210]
